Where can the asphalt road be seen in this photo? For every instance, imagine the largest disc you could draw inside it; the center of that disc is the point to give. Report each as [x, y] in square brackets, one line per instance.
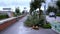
[51, 19]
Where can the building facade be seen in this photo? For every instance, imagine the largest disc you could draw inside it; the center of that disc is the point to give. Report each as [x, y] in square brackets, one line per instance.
[7, 11]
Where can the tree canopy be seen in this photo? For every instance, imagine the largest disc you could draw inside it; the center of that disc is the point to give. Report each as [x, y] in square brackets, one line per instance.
[58, 4]
[17, 10]
[51, 9]
[36, 4]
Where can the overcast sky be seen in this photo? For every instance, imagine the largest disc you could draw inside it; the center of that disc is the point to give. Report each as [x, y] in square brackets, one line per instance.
[47, 2]
[18, 3]
[15, 3]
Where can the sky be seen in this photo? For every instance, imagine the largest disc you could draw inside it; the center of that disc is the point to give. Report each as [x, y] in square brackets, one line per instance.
[15, 3]
[19, 3]
[47, 3]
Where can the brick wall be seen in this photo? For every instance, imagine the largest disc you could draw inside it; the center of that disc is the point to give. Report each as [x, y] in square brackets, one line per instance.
[8, 23]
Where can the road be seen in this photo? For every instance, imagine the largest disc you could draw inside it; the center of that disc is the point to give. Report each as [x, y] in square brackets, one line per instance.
[55, 23]
[19, 28]
[51, 19]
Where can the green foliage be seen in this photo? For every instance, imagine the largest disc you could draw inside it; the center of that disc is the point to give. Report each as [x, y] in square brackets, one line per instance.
[3, 16]
[47, 25]
[58, 14]
[51, 9]
[17, 10]
[41, 22]
[34, 16]
[31, 21]
[35, 4]
[28, 21]
[15, 15]
[36, 22]
[58, 3]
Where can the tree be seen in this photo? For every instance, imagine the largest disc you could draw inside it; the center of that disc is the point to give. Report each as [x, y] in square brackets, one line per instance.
[58, 3]
[17, 10]
[36, 4]
[51, 9]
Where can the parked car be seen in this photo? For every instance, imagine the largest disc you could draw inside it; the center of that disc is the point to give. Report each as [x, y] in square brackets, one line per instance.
[52, 14]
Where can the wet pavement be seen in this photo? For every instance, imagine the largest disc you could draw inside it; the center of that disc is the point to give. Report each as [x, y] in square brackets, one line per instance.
[19, 28]
[51, 19]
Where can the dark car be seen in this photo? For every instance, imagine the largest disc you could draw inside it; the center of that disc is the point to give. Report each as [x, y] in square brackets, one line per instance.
[52, 15]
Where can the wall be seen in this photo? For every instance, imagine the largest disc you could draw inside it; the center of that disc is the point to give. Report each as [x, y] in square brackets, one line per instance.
[6, 23]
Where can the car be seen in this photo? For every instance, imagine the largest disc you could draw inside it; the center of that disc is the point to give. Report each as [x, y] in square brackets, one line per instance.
[52, 15]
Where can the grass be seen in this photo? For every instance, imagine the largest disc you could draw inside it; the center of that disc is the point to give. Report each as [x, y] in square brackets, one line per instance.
[3, 16]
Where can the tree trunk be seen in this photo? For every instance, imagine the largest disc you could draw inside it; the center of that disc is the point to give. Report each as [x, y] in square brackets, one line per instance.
[39, 13]
[41, 16]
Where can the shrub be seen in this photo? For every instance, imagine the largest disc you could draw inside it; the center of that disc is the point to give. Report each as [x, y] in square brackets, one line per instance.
[41, 22]
[57, 14]
[35, 22]
[47, 25]
[30, 21]
[27, 23]
[3, 16]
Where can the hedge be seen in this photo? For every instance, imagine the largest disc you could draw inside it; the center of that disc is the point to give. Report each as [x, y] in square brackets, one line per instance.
[3, 16]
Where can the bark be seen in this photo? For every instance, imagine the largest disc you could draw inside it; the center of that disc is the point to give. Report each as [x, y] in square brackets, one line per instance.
[41, 16]
[39, 13]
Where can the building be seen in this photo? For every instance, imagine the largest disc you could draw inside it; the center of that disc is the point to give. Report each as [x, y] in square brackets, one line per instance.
[7, 11]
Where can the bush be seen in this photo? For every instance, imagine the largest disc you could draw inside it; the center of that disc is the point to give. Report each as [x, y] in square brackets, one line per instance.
[41, 22]
[57, 14]
[3, 16]
[36, 22]
[30, 21]
[47, 25]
